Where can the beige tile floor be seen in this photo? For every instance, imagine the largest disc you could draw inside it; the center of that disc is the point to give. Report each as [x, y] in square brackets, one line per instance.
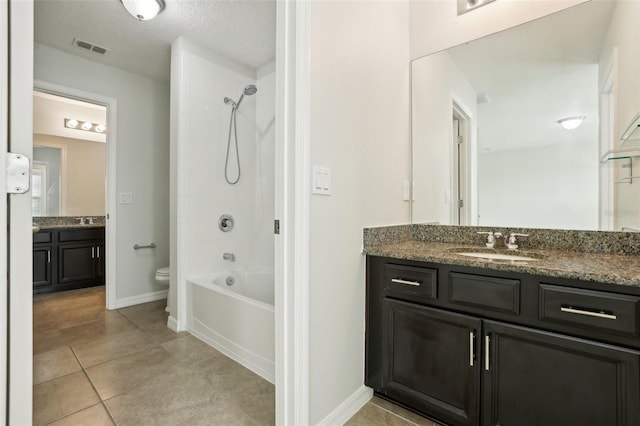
[125, 367]
[95, 367]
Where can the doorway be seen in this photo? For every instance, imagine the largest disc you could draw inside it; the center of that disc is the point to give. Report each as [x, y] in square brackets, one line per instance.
[71, 137]
[460, 202]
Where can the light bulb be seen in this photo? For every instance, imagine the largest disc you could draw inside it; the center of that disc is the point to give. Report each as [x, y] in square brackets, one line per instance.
[72, 124]
[100, 128]
[87, 125]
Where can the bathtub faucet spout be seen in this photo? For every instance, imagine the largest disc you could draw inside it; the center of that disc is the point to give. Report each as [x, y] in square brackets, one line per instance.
[229, 256]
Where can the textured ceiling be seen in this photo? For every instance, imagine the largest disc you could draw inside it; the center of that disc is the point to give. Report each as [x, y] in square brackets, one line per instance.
[242, 30]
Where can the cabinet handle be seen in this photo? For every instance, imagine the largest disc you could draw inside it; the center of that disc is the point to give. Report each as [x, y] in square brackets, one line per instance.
[98, 250]
[93, 252]
[472, 338]
[486, 352]
[48, 256]
[405, 282]
[571, 310]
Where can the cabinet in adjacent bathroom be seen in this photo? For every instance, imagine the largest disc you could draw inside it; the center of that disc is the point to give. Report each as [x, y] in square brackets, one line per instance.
[68, 258]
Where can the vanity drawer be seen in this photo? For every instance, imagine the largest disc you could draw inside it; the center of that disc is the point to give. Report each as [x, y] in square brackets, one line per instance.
[610, 312]
[81, 234]
[489, 293]
[42, 237]
[411, 280]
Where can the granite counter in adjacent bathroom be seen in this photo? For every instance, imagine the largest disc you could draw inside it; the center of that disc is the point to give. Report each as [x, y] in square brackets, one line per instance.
[54, 222]
[606, 257]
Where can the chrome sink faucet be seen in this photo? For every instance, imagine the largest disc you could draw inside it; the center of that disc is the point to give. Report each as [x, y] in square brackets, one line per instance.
[498, 240]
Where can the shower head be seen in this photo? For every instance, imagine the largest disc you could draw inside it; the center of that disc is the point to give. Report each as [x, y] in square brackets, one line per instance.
[249, 91]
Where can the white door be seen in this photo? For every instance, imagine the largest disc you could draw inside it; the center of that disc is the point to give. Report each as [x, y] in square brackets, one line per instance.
[16, 87]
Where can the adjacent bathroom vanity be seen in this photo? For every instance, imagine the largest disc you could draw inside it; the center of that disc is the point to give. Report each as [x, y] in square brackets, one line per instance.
[469, 341]
[68, 257]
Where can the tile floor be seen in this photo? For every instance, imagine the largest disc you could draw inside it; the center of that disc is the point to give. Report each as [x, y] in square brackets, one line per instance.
[125, 367]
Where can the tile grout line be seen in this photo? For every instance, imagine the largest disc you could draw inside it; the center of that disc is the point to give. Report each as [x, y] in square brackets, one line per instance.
[94, 389]
[391, 412]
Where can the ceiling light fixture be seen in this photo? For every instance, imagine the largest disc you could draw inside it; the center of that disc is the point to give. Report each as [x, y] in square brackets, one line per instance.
[571, 123]
[143, 10]
[88, 126]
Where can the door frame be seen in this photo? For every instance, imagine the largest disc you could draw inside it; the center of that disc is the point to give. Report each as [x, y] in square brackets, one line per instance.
[461, 164]
[110, 182]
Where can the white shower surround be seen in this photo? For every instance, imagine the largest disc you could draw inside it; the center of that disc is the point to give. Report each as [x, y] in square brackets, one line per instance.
[200, 82]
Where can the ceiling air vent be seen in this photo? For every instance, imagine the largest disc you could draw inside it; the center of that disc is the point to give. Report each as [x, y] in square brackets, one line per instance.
[90, 46]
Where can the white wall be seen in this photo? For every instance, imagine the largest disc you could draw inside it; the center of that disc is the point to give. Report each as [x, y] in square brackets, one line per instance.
[202, 195]
[554, 186]
[435, 24]
[359, 70]
[142, 161]
[436, 83]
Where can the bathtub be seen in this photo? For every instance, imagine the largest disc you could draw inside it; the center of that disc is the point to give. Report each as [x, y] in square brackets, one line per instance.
[238, 320]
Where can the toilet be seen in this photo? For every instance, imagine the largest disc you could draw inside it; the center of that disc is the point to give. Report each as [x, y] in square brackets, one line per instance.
[163, 276]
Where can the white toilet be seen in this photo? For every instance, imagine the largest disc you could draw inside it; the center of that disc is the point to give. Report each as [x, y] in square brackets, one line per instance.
[163, 276]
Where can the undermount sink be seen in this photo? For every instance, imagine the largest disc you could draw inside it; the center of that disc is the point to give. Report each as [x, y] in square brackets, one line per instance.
[494, 254]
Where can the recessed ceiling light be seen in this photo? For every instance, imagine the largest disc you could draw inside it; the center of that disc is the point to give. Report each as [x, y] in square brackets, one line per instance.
[571, 123]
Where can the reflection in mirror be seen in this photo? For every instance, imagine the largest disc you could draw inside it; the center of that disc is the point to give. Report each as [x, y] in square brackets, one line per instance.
[69, 164]
[488, 147]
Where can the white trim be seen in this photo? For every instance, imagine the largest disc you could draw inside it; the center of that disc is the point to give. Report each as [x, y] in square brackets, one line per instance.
[348, 408]
[20, 247]
[142, 298]
[110, 190]
[291, 267]
[254, 362]
[4, 141]
[172, 324]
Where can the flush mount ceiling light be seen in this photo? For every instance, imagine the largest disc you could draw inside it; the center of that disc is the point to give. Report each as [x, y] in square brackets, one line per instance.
[143, 10]
[571, 123]
[87, 126]
[465, 6]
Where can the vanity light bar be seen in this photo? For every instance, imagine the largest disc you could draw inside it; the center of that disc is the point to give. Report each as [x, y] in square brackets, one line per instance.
[87, 126]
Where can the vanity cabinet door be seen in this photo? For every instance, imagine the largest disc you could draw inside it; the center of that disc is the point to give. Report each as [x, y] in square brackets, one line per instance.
[76, 263]
[534, 377]
[42, 266]
[431, 361]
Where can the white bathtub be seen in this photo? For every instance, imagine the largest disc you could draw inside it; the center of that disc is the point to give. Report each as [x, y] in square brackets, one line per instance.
[237, 320]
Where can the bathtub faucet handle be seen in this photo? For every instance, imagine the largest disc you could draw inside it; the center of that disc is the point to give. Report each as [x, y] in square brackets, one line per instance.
[229, 256]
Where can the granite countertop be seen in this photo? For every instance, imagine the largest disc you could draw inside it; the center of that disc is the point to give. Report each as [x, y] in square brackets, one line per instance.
[606, 268]
[75, 226]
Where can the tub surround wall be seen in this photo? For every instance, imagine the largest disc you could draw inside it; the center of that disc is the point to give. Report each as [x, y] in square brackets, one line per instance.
[200, 117]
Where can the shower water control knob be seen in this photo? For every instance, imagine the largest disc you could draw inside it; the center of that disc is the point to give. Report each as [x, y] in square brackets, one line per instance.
[225, 223]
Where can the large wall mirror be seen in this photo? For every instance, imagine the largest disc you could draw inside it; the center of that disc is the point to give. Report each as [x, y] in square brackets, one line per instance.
[491, 143]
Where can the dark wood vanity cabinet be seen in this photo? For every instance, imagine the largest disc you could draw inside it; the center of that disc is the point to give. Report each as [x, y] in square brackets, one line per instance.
[74, 258]
[482, 350]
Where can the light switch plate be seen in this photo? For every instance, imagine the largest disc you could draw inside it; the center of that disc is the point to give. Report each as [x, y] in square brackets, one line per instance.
[126, 198]
[321, 182]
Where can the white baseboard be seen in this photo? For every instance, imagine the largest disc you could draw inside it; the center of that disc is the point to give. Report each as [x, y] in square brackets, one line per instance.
[172, 323]
[143, 298]
[254, 362]
[348, 408]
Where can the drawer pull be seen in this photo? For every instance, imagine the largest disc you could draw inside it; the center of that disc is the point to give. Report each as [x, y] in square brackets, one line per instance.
[487, 341]
[405, 282]
[570, 310]
[472, 338]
